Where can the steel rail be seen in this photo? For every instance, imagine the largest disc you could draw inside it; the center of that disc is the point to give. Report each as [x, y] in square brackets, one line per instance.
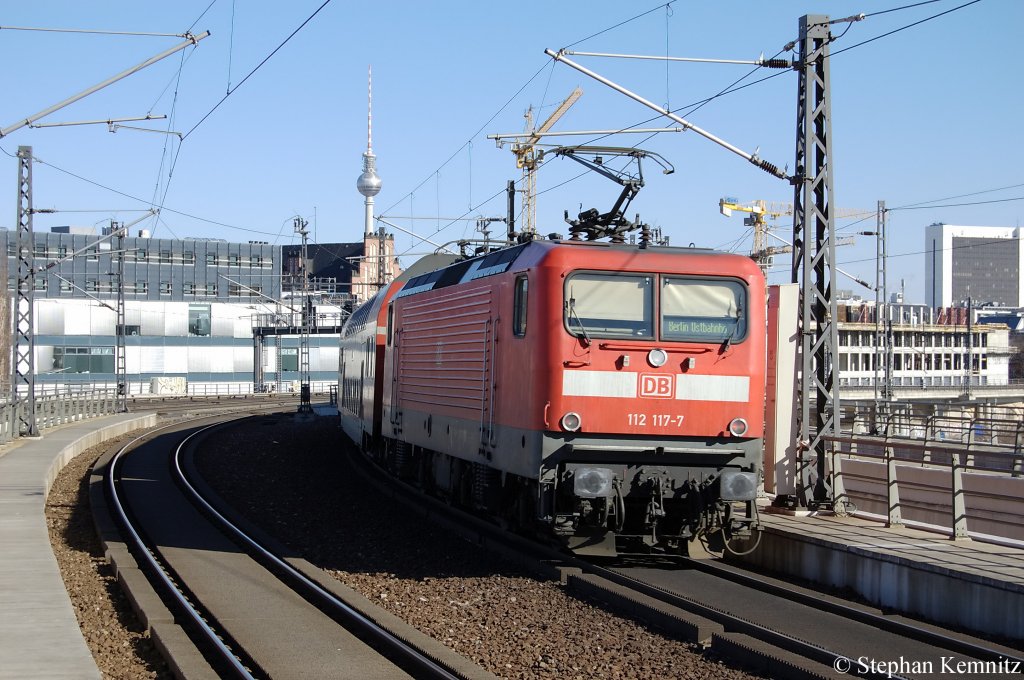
[494, 538]
[855, 613]
[209, 634]
[427, 666]
[731, 622]
[475, 528]
[791, 643]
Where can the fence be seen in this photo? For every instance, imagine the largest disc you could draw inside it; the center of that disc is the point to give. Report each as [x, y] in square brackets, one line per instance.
[946, 464]
[61, 404]
[56, 408]
[195, 389]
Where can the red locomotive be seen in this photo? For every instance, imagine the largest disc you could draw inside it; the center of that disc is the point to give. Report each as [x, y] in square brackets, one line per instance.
[607, 394]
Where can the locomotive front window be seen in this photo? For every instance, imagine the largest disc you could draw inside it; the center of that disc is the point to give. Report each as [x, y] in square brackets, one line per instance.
[609, 305]
[702, 310]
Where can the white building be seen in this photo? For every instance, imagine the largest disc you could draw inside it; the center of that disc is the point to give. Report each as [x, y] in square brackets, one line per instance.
[981, 263]
[211, 345]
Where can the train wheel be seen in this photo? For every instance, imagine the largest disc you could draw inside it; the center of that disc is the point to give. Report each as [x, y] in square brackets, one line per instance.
[526, 506]
[462, 483]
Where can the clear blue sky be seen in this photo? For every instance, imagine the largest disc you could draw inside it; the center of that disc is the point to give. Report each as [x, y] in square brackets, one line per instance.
[925, 114]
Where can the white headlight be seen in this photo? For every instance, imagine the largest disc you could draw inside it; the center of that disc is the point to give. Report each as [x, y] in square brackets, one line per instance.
[736, 485]
[737, 427]
[571, 421]
[590, 482]
[657, 357]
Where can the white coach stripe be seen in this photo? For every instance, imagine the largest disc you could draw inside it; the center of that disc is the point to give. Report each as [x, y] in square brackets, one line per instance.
[713, 387]
[599, 384]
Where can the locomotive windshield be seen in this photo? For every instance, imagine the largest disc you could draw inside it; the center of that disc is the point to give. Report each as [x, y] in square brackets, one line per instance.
[607, 305]
[703, 310]
[610, 305]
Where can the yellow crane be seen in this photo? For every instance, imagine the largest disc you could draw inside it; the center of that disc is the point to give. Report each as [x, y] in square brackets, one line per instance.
[527, 157]
[761, 211]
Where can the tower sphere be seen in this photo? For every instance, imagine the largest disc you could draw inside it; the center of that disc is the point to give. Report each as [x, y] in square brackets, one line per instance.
[368, 183]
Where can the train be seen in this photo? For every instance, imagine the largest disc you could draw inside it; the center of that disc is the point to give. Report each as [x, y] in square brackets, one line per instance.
[606, 396]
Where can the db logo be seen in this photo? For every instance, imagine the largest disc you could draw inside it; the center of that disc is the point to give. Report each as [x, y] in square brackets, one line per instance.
[657, 386]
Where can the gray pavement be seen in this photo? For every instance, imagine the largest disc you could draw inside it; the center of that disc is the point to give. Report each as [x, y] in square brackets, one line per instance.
[39, 634]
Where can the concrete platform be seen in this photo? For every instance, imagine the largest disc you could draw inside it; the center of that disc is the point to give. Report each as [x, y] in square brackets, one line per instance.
[39, 634]
[960, 583]
[325, 410]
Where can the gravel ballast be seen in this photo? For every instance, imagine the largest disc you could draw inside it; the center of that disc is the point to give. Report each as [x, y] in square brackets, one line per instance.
[119, 643]
[291, 479]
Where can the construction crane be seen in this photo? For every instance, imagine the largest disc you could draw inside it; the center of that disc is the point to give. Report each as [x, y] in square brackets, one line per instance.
[527, 159]
[761, 211]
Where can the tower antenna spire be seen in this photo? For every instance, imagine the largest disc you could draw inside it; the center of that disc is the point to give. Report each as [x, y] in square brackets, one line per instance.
[369, 183]
[369, 109]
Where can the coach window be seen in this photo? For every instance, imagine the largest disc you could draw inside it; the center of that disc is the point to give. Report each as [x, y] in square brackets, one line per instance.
[703, 310]
[391, 319]
[519, 307]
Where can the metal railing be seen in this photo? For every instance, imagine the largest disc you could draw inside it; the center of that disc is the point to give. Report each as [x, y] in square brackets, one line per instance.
[61, 404]
[57, 408]
[210, 389]
[197, 389]
[959, 442]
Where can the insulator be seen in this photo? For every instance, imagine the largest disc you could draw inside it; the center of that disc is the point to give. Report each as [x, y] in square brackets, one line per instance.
[777, 63]
[770, 168]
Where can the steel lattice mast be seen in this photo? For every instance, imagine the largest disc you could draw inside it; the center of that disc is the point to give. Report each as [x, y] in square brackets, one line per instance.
[23, 378]
[120, 358]
[305, 389]
[814, 263]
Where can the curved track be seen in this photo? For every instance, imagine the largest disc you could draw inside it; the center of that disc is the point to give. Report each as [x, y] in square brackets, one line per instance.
[768, 625]
[247, 607]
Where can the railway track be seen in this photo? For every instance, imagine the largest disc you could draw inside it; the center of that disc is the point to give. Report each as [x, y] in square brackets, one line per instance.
[763, 624]
[249, 609]
[767, 623]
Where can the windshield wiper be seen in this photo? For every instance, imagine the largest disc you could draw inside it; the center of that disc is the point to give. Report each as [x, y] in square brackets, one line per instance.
[572, 313]
[728, 341]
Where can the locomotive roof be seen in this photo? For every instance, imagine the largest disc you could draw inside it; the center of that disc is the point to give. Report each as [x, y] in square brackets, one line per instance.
[490, 264]
[500, 261]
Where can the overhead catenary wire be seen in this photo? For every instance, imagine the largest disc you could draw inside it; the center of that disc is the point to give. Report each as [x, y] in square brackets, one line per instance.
[141, 200]
[533, 77]
[665, 5]
[257, 68]
[958, 205]
[165, 152]
[735, 87]
[695, 106]
[200, 17]
[230, 90]
[618, 25]
[925, 204]
[897, 9]
[448, 160]
[965, 246]
[902, 28]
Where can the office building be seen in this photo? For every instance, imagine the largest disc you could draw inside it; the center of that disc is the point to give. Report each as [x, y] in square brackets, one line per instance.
[981, 263]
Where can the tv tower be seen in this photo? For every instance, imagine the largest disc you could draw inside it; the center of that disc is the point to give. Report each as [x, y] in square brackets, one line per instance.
[369, 183]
